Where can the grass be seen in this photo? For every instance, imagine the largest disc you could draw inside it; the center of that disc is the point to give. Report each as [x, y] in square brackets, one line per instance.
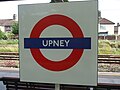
[8, 42]
[104, 46]
[8, 45]
[9, 48]
[108, 47]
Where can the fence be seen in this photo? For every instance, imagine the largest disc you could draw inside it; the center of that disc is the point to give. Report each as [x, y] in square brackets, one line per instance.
[109, 37]
[15, 84]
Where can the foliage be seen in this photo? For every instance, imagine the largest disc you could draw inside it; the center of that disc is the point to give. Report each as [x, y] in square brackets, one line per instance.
[8, 42]
[9, 45]
[108, 47]
[8, 48]
[10, 35]
[2, 35]
[15, 28]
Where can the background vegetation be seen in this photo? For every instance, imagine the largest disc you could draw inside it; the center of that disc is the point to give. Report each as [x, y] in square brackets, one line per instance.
[108, 47]
[104, 46]
[10, 35]
[9, 45]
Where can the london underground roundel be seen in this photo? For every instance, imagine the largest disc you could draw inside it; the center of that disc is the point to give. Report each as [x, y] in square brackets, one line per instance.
[78, 42]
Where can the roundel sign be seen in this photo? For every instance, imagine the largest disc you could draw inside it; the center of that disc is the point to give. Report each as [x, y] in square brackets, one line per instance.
[78, 42]
[58, 43]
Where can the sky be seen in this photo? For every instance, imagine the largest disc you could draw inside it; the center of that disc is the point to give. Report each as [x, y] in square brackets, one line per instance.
[110, 9]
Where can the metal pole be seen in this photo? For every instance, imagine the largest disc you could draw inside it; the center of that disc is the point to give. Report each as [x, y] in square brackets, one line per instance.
[57, 86]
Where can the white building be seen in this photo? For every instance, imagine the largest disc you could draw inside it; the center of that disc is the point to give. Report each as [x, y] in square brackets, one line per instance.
[106, 27]
[6, 24]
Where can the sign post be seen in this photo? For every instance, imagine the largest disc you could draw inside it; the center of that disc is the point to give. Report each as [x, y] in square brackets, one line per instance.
[57, 86]
[59, 44]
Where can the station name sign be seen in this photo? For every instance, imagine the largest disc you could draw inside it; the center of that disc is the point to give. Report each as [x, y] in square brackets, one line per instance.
[58, 43]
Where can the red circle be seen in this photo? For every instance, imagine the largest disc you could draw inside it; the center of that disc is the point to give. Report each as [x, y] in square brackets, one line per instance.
[75, 30]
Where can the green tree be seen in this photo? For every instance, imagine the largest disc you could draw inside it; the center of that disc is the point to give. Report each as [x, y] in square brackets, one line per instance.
[2, 35]
[15, 28]
[9, 35]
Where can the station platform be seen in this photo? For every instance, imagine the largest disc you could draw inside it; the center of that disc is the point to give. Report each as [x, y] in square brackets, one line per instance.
[103, 77]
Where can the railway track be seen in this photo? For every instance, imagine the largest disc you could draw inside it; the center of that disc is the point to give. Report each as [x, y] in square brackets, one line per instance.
[15, 83]
[9, 56]
[107, 59]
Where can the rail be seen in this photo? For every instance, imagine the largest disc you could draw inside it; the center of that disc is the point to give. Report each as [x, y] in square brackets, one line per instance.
[106, 59]
[9, 53]
[9, 56]
[109, 59]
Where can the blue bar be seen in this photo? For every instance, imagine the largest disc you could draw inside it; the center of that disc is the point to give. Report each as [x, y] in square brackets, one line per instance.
[57, 43]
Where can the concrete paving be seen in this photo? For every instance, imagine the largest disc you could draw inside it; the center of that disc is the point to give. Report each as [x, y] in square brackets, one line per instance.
[109, 77]
[7, 72]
